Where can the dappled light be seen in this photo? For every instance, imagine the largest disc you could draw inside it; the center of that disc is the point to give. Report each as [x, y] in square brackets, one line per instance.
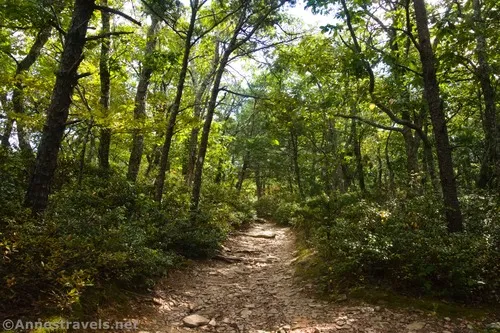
[254, 166]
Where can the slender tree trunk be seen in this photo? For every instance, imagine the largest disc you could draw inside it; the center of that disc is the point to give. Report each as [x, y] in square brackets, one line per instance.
[134, 162]
[356, 140]
[198, 111]
[432, 94]
[81, 162]
[295, 160]
[9, 122]
[258, 182]
[490, 166]
[243, 172]
[411, 145]
[104, 75]
[160, 179]
[153, 159]
[430, 165]
[192, 148]
[231, 46]
[195, 198]
[219, 176]
[388, 162]
[57, 113]
[380, 170]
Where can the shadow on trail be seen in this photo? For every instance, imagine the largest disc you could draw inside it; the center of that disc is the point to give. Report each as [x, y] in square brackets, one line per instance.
[250, 287]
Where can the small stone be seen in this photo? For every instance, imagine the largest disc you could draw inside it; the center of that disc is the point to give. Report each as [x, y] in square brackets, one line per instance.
[415, 326]
[212, 322]
[447, 318]
[494, 326]
[340, 322]
[342, 298]
[250, 306]
[245, 313]
[195, 321]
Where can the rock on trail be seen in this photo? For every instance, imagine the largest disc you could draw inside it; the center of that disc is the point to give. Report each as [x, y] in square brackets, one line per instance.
[250, 287]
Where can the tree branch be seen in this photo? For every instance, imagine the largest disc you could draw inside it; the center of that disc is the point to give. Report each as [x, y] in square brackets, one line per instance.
[242, 94]
[109, 34]
[370, 122]
[117, 12]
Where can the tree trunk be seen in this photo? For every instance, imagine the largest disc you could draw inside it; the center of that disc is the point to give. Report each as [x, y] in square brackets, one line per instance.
[388, 162]
[9, 122]
[429, 163]
[356, 141]
[490, 166]
[432, 94]
[295, 160]
[380, 170]
[192, 148]
[104, 75]
[134, 162]
[195, 199]
[81, 163]
[243, 172]
[259, 183]
[160, 179]
[198, 110]
[231, 46]
[57, 112]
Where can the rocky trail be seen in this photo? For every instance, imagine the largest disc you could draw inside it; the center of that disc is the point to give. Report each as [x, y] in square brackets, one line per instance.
[251, 287]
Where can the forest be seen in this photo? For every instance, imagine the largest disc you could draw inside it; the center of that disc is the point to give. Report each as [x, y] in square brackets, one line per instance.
[138, 136]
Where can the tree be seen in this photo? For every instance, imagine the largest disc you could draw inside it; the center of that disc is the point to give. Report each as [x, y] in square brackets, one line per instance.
[174, 111]
[440, 129]
[57, 113]
[134, 162]
[105, 77]
[250, 20]
[490, 166]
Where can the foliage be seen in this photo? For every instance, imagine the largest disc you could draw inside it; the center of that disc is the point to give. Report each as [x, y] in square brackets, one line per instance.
[94, 234]
[329, 133]
[280, 209]
[404, 246]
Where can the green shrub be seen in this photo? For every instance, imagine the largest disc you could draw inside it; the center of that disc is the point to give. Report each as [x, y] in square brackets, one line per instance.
[266, 206]
[106, 231]
[226, 205]
[280, 209]
[200, 239]
[88, 237]
[406, 247]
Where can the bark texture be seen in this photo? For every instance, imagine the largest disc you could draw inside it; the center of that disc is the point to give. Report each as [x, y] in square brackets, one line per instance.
[432, 94]
[57, 112]
[134, 162]
[160, 179]
[490, 166]
[104, 76]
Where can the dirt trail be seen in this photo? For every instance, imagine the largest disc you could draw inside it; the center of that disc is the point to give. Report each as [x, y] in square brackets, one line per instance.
[256, 291]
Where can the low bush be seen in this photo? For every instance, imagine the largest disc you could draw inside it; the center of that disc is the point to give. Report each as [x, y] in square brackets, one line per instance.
[102, 232]
[280, 209]
[405, 246]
